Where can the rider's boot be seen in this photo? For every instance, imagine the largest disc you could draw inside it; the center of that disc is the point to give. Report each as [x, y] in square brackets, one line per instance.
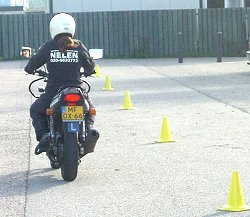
[43, 144]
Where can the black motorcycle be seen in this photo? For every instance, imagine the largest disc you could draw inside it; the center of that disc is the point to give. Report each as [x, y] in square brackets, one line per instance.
[69, 138]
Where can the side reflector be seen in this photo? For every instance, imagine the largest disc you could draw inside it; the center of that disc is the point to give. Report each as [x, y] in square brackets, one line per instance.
[92, 111]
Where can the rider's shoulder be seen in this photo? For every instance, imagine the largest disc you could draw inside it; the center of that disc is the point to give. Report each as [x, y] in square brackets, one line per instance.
[46, 45]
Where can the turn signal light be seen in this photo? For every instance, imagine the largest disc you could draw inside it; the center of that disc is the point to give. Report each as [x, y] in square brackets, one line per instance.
[92, 111]
[49, 112]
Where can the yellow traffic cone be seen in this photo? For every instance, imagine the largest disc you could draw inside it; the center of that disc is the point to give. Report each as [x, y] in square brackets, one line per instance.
[127, 104]
[165, 132]
[236, 202]
[108, 84]
[97, 71]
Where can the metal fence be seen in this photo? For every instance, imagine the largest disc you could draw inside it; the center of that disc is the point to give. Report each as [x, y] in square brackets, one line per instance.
[133, 34]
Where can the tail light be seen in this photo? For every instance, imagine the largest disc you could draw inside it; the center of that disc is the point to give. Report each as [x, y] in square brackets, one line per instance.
[72, 98]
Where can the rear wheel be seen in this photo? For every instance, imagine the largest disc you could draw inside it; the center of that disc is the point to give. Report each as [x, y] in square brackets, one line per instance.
[69, 166]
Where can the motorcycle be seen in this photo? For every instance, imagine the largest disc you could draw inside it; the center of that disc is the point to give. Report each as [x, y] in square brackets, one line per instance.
[69, 138]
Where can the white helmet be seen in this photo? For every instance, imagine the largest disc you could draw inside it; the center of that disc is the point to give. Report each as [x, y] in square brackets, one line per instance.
[62, 23]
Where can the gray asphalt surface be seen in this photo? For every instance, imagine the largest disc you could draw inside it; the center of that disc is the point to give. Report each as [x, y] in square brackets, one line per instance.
[207, 105]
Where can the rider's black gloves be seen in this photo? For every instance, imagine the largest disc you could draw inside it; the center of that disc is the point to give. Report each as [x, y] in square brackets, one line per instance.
[41, 73]
[31, 72]
[86, 74]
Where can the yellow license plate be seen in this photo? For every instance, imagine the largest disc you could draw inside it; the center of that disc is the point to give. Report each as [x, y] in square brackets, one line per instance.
[72, 113]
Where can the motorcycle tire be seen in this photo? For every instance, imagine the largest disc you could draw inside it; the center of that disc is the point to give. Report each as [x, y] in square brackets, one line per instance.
[69, 165]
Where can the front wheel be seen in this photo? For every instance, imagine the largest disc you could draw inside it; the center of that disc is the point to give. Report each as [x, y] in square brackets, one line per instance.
[69, 166]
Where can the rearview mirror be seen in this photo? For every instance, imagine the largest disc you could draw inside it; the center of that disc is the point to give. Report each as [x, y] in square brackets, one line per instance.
[96, 53]
[26, 52]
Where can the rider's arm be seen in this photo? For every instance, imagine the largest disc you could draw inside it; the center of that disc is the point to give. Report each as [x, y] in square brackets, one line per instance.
[87, 61]
[37, 60]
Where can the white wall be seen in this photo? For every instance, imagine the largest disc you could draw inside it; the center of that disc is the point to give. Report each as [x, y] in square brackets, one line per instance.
[121, 5]
[125, 5]
[67, 6]
[184, 4]
[234, 3]
[96, 5]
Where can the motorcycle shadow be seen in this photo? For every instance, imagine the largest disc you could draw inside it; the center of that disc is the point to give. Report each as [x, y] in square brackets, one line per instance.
[43, 179]
[28, 182]
[13, 184]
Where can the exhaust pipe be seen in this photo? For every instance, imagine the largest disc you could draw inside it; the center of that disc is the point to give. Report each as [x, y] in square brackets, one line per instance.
[91, 140]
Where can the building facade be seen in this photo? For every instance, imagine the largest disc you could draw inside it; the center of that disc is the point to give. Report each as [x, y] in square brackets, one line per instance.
[55, 6]
[13, 6]
[127, 5]
[4, 3]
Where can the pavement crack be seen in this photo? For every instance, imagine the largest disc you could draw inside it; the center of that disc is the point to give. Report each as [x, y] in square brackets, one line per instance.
[201, 92]
[208, 95]
[28, 166]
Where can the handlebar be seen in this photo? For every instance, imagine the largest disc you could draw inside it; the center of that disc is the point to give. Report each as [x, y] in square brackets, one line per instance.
[44, 75]
[88, 74]
[41, 73]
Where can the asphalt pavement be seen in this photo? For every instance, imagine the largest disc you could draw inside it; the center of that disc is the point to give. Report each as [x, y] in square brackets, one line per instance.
[207, 105]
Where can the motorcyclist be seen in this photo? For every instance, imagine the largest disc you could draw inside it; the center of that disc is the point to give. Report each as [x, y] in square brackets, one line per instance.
[64, 57]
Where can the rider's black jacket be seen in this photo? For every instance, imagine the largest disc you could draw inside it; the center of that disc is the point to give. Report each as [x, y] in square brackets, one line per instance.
[63, 68]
